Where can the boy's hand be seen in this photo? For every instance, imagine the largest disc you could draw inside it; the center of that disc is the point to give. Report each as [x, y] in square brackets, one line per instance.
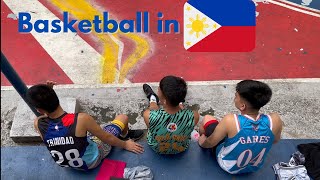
[50, 83]
[202, 139]
[132, 146]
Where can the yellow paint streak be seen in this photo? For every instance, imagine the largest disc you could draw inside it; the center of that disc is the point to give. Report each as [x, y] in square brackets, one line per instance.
[81, 9]
[141, 50]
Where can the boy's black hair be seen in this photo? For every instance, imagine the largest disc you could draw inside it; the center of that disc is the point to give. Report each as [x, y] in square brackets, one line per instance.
[43, 96]
[174, 89]
[256, 93]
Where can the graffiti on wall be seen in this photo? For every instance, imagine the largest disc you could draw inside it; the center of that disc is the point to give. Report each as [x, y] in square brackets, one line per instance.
[115, 67]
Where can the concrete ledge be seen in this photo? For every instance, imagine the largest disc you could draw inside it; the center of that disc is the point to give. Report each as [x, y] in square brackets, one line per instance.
[297, 102]
[22, 129]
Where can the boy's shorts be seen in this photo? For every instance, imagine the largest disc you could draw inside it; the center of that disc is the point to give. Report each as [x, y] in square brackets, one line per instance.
[210, 126]
[114, 127]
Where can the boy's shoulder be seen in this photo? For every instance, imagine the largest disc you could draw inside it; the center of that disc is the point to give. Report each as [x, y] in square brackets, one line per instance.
[155, 110]
[83, 119]
[42, 120]
[82, 115]
[228, 121]
[229, 117]
[274, 115]
[276, 120]
[187, 110]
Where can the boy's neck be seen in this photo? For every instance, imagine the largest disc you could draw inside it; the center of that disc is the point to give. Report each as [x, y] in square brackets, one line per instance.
[252, 113]
[57, 113]
[171, 110]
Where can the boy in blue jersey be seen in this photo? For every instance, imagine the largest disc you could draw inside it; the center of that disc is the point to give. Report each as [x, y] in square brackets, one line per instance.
[65, 134]
[241, 142]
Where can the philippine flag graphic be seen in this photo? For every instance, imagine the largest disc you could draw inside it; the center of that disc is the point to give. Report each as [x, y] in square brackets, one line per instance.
[219, 25]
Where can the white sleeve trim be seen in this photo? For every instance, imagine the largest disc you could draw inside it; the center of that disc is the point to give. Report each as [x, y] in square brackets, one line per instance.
[270, 120]
[237, 122]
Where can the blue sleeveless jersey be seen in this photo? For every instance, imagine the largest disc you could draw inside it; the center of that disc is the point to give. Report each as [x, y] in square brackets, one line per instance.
[68, 150]
[246, 151]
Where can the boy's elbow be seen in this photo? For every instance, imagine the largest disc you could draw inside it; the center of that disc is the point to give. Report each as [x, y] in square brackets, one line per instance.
[210, 143]
[146, 114]
[277, 139]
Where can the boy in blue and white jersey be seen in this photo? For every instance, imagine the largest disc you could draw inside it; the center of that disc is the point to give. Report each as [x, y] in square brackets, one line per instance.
[66, 134]
[242, 141]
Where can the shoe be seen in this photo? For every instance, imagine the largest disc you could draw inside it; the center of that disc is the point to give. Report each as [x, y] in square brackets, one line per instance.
[133, 134]
[148, 91]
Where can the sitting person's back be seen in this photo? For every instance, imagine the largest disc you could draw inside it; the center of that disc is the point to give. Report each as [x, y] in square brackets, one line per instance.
[242, 142]
[170, 133]
[249, 147]
[60, 137]
[170, 127]
[65, 135]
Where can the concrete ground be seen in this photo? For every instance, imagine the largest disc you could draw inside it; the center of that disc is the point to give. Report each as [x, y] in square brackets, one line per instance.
[168, 167]
[297, 101]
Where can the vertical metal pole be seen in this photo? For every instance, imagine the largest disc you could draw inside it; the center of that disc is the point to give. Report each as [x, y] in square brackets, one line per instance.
[15, 80]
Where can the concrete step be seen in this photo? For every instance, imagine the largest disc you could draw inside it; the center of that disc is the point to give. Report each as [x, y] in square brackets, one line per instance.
[22, 129]
[297, 101]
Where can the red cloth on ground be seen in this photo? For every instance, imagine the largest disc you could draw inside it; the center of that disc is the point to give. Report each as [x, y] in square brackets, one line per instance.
[111, 168]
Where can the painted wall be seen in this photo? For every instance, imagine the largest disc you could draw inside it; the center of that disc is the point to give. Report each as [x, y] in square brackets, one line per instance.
[287, 45]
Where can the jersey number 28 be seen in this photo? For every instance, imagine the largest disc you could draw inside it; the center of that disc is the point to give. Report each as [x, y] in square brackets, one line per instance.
[72, 155]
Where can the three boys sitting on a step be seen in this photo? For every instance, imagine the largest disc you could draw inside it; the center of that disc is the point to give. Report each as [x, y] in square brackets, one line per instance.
[240, 142]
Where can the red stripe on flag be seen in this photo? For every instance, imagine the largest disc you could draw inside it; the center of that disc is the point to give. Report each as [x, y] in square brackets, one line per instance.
[227, 39]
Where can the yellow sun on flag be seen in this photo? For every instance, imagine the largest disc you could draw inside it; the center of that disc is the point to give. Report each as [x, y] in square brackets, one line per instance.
[197, 26]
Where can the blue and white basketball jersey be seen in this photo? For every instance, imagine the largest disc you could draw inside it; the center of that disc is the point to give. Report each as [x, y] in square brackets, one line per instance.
[68, 150]
[246, 151]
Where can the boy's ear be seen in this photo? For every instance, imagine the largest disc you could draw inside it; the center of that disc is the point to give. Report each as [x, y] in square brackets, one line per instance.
[41, 111]
[243, 106]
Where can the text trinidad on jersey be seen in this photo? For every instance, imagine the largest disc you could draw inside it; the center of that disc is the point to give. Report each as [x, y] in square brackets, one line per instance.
[141, 24]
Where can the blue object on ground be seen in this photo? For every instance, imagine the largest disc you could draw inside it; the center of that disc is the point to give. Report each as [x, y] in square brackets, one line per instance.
[35, 162]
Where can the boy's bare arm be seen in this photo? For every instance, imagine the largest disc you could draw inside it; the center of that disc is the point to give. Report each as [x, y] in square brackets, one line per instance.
[196, 117]
[218, 134]
[146, 115]
[92, 126]
[277, 126]
[35, 123]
